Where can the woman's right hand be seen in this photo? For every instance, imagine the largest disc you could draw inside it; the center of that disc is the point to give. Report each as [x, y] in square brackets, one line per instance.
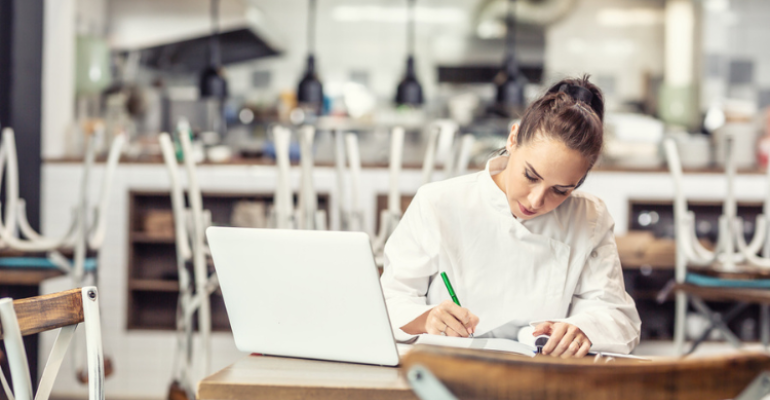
[450, 319]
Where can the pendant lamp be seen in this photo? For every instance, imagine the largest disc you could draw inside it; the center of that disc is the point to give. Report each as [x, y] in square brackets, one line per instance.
[409, 91]
[212, 81]
[310, 90]
[510, 82]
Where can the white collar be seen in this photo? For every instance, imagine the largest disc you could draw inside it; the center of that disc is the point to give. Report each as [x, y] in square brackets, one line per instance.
[496, 196]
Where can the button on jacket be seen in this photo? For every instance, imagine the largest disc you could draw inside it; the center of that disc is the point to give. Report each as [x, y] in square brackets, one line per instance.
[560, 266]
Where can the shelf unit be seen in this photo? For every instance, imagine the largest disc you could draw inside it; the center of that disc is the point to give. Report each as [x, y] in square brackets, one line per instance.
[153, 287]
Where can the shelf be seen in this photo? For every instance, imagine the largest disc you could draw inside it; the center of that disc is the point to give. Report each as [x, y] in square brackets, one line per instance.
[152, 291]
[153, 285]
[141, 237]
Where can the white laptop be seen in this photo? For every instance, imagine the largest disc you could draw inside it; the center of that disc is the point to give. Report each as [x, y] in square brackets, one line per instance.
[308, 294]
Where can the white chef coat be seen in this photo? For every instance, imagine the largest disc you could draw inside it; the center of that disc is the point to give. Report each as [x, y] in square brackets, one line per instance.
[560, 266]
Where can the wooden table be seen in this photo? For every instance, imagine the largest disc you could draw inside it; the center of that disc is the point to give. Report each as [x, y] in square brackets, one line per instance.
[266, 377]
[488, 375]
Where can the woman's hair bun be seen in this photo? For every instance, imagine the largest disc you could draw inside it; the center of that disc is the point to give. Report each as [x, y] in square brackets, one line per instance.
[578, 93]
[581, 89]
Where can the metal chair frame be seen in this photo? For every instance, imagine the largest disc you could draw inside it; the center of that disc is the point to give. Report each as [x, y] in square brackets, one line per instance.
[189, 226]
[690, 252]
[74, 306]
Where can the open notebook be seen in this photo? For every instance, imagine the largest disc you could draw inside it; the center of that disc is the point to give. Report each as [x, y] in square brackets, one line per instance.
[498, 344]
[499, 339]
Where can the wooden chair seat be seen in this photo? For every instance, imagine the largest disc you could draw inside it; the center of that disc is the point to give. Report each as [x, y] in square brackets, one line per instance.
[474, 374]
[756, 296]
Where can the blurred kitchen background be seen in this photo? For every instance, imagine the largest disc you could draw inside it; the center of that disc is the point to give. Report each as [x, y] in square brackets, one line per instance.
[693, 70]
[666, 67]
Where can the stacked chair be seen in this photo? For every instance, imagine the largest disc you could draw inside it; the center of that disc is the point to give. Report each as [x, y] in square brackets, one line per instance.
[346, 151]
[85, 236]
[191, 249]
[283, 215]
[390, 217]
[443, 148]
[76, 252]
[731, 272]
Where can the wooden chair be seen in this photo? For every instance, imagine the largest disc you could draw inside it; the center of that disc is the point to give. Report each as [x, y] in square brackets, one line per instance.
[63, 310]
[478, 374]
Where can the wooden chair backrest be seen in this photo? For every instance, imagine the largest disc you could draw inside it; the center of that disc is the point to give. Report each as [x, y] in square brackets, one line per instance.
[51, 311]
[474, 374]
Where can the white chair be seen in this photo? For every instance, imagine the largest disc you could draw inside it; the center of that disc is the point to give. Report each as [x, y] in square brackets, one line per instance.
[346, 152]
[356, 213]
[695, 288]
[309, 216]
[441, 134]
[85, 234]
[63, 310]
[390, 217]
[194, 292]
[442, 148]
[283, 214]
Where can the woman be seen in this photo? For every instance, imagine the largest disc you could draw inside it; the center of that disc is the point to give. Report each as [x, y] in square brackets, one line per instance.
[519, 245]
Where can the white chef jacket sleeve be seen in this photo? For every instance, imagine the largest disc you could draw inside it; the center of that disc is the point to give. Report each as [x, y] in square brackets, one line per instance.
[410, 260]
[601, 308]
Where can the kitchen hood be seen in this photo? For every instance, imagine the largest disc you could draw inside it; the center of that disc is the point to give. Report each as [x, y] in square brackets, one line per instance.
[173, 35]
[192, 55]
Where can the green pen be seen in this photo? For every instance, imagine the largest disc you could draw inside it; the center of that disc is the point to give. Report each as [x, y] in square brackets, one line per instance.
[451, 291]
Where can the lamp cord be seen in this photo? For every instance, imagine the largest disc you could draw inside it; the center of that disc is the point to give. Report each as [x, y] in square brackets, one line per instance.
[311, 27]
[510, 29]
[215, 57]
[410, 28]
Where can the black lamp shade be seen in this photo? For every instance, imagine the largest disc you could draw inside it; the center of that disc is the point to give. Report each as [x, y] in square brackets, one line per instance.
[310, 90]
[409, 91]
[212, 83]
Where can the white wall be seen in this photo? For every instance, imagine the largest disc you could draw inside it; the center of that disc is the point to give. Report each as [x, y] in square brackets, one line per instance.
[735, 60]
[58, 84]
[615, 41]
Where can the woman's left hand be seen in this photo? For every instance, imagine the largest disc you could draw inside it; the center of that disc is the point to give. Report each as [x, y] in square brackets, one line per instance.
[566, 340]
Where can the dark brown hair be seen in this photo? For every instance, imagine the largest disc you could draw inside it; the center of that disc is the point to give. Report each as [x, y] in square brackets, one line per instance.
[571, 111]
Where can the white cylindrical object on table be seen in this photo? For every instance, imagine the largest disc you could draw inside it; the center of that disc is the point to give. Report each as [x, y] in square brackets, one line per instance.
[745, 135]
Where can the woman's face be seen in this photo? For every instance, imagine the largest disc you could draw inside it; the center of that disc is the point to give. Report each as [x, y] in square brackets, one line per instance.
[540, 174]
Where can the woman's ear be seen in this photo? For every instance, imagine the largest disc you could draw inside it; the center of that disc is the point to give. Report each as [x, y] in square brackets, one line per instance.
[512, 141]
